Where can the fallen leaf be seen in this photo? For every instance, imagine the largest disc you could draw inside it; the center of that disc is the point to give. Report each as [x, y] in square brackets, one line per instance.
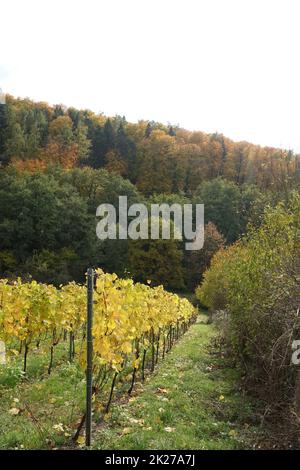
[162, 390]
[169, 429]
[80, 440]
[58, 427]
[132, 399]
[136, 421]
[126, 431]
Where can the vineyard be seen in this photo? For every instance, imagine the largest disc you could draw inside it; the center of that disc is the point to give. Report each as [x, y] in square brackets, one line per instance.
[149, 231]
[134, 325]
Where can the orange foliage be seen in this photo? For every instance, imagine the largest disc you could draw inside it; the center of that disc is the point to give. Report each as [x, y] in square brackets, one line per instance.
[115, 163]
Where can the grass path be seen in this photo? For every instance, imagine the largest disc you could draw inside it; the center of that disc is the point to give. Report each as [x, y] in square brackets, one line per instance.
[190, 402]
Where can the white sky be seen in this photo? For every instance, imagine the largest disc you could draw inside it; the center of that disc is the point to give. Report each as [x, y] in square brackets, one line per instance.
[226, 65]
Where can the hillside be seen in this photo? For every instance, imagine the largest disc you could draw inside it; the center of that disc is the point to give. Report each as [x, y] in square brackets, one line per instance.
[58, 165]
[154, 157]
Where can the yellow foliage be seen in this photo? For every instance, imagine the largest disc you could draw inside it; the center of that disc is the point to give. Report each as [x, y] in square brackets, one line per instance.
[126, 315]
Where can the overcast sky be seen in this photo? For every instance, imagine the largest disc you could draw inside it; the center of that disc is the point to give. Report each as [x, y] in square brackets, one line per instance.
[213, 65]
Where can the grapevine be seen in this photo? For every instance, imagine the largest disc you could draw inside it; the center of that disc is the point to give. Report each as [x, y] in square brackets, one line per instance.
[133, 323]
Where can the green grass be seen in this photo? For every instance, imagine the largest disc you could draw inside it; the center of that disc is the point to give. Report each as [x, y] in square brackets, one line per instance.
[191, 401]
[48, 406]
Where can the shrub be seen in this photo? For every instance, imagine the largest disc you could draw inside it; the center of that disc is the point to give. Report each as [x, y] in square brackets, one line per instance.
[257, 281]
[214, 289]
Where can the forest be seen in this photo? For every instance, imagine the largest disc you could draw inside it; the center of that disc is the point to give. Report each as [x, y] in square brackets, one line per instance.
[58, 164]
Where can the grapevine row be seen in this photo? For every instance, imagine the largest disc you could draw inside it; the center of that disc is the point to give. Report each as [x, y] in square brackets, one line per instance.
[130, 320]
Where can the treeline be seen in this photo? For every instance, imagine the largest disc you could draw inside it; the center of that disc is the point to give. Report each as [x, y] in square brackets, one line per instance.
[154, 157]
